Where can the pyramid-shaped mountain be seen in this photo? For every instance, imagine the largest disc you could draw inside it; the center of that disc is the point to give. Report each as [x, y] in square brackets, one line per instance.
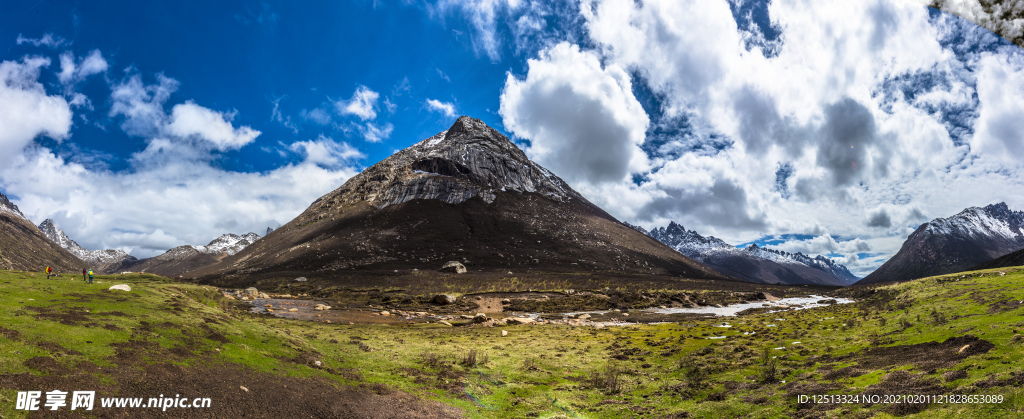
[467, 194]
[946, 245]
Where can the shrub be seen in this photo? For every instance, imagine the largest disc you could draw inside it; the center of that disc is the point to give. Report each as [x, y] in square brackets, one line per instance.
[474, 359]
[609, 380]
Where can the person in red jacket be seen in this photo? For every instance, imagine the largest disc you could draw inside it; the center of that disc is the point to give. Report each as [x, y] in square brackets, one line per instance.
[48, 270]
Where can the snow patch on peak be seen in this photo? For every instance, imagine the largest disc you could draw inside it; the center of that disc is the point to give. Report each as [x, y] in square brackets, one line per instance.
[228, 243]
[96, 258]
[7, 206]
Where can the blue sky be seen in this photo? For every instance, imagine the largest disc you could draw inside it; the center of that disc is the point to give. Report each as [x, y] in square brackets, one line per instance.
[831, 128]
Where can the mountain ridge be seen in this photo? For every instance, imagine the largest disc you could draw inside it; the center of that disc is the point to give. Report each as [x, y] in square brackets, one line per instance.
[971, 237]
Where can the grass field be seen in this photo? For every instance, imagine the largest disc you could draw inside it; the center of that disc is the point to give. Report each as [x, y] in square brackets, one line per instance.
[951, 335]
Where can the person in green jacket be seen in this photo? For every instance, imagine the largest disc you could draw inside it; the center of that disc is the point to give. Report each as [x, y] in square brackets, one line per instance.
[90, 276]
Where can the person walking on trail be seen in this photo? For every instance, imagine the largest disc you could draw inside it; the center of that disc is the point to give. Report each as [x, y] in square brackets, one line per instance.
[48, 270]
[90, 276]
[83, 275]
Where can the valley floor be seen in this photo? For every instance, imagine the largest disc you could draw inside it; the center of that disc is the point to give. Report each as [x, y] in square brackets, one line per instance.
[953, 336]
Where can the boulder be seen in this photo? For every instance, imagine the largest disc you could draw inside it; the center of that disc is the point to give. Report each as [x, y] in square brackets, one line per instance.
[583, 316]
[504, 333]
[445, 323]
[385, 313]
[293, 310]
[301, 279]
[454, 267]
[122, 287]
[479, 318]
[321, 307]
[520, 320]
[444, 299]
[250, 292]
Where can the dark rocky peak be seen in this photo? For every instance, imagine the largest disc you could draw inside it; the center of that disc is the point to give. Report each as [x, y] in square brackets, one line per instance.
[7, 206]
[468, 160]
[269, 230]
[674, 228]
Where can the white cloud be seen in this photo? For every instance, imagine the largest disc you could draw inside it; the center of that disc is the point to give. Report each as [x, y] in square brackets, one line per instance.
[376, 133]
[172, 197]
[47, 40]
[999, 129]
[446, 108]
[26, 111]
[581, 118]
[277, 115]
[317, 115]
[188, 120]
[71, 73]
[326, 152]
[141, 104]
[483, 16]
[363, 104]
[824, 245]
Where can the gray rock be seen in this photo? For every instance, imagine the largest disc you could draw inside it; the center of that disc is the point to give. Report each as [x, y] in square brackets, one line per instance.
[443, 299]
[454, 267]
[301, 279]
[479, 318]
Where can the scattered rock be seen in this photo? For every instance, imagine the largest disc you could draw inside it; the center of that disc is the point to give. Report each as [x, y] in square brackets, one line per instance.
[293, 310]
[121, 287]
[445, 323]
[466, 316]
[963, 349]
[504, 333]
[444, 299]
[520, 320]
[243, 388]
[301, 279]
[385, 313]
[454, 267]
[321, 307]
[583, 316]
[479, 318]
[506, 301]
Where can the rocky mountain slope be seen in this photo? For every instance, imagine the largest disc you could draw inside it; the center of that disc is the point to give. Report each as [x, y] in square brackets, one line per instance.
[1004, 261]
[182, 259]
[466, 194]
[24, 247]
[98, 260]
[947, 245]
[754, 264]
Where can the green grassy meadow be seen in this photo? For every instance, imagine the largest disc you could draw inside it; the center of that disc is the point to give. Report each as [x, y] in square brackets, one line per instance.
[904, 339]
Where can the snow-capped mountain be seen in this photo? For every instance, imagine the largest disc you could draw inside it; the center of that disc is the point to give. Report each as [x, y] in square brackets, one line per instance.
[98, 259]
[228, 243]
[946, 245]
[754, 263]
[8, 207]
[182, 259]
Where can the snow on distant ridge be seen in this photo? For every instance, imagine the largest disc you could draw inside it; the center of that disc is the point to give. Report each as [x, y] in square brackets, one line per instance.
[93, 257]
[711, 250]
[228, 243]
[7, 206]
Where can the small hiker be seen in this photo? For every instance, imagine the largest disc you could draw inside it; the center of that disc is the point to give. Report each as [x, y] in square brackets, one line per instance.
[90, 276]
[48, 270]
[83, 275]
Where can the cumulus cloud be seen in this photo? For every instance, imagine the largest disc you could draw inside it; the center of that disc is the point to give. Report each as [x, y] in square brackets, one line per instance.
[824, 245]
[191, 120]
[326, 151]
[72, 72]
[376, 133]
[172, 197]
[363, 104]
[581, 117]
[47, 40]
[999, 127]
[445, 108]
[141, 105]
[26, 111]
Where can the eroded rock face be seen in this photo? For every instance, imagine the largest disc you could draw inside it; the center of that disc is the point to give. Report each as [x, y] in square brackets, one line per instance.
[469, 159]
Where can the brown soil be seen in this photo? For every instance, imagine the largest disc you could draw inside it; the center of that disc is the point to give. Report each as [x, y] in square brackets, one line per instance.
[268, 396]
[926, 356]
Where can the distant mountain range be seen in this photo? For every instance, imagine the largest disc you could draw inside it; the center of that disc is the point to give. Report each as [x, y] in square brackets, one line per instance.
[947, 245]
[754, 263]
[174, 262]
